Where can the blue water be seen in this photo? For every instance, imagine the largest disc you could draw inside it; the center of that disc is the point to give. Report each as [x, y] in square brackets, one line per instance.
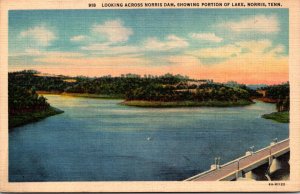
[100, 140]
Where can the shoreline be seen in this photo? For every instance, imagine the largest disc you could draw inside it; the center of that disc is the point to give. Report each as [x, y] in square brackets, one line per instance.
[280, 117]
[30, 117]
[174, 104]
[155, 104]
[80, 95]
[266, 100]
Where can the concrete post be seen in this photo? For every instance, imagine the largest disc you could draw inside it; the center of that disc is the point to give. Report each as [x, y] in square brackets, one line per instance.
[275, 165]
[213, 167]
[251, 175]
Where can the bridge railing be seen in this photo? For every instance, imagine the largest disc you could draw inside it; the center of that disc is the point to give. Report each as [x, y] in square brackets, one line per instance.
[253, 153]
[235, 160]
[270, 146]
[199, 175]
[215, 169]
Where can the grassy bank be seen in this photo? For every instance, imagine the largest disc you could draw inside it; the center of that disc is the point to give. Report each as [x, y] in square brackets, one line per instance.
[47, 92]
[281, 117]
[86, 95]
[267, 100]
[25, 118]
[82, 95]
[159, 104]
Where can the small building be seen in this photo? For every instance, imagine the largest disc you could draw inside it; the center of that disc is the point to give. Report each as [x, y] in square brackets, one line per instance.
[262, 92]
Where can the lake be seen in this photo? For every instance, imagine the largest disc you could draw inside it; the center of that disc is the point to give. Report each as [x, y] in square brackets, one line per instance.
[100, 140]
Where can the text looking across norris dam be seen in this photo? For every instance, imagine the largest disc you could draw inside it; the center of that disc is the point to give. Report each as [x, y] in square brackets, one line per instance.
[183, 4]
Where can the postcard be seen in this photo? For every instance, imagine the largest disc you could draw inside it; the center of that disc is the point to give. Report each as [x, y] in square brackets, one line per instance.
[150, 96]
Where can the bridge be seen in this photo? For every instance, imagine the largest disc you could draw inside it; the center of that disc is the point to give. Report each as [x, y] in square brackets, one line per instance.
[250, 166]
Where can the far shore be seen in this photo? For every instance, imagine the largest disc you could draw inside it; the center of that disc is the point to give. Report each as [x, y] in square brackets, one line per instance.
[156, 104]
[82, 95]
[161, 104]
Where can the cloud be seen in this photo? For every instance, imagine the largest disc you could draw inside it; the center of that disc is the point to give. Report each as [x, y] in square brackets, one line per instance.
[114, 30]
[256, 23]
[107, 48]
[206, 37]
[100, 62]
[107, 38]
[41, 53]
[110, 37]
[255, 46]
[78, 38]
[278, 50]
[96, 47]
[263, 46]
[40, 34]
[151, 44]
[217, 52]
[171, 42]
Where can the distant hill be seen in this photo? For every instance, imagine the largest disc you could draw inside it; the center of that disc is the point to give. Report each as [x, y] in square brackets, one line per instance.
[256, 86]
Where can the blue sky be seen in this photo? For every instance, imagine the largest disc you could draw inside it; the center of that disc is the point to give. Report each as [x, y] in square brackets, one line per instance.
[200, 43]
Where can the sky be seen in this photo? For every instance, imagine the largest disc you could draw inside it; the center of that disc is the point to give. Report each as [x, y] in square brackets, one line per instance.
[249, 46]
